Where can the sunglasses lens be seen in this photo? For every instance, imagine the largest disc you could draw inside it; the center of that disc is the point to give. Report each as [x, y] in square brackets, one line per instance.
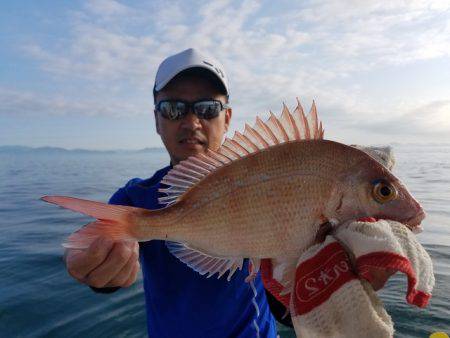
[207, 109]
[172, 110]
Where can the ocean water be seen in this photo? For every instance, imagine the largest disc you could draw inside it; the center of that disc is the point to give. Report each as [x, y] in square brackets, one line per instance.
[39, 299]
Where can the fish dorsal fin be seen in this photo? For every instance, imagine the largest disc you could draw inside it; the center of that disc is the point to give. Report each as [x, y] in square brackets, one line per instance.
[204, 263]
[288, 127]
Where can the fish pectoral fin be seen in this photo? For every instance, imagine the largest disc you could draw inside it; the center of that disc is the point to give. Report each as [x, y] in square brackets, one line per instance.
[204, 263]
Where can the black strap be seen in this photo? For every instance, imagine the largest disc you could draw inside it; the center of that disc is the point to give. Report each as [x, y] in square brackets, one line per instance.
[278, 310]
[105, 290]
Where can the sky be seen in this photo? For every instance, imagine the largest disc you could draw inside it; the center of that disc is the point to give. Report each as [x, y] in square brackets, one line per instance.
[79, 74]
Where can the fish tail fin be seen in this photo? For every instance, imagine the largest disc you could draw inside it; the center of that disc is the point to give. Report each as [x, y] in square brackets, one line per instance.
[115, 222]
[83, 238]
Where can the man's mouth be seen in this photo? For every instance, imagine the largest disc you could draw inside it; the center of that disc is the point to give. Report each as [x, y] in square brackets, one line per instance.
[191, 140]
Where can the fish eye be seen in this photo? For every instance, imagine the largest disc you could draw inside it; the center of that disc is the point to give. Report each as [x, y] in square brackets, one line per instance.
[383, 192]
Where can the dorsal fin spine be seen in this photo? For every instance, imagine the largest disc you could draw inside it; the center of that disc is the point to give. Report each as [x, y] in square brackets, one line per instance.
[280, 126]
[211, 165]
[174, 183]
[246, 140]
[313, 120]
[267, 130]
[194, 166]
[272, 124]
[302, 120]
[257, 135]
[210, 160]
[203, 164]
[230, 150]
[176, 179]
[183, 174]
[306, 124]
[294, 127]
[219, 157]
[226, 153]
[238, 145]
[183, 168]
[170, 190]
[286, 122]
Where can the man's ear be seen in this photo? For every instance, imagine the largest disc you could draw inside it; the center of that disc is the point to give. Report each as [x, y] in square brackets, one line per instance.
[156, 121]
[228, 114]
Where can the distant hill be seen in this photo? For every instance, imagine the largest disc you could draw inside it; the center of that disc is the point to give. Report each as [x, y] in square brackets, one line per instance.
[13, 149]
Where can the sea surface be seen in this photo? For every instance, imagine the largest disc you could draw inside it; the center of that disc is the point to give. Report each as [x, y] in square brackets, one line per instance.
[39, 299]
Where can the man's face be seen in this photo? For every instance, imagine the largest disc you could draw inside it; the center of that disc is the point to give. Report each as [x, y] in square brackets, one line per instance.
[190, 135]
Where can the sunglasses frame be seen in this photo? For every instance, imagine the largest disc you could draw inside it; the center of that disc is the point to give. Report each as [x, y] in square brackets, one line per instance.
[190, 107]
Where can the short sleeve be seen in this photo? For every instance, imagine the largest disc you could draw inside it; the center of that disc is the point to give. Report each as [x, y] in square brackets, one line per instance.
[120, 197]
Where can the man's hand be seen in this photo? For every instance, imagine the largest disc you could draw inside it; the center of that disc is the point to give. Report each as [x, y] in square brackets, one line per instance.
[104, 264]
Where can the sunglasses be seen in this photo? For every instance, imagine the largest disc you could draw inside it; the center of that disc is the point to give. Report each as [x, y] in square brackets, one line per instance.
[203, 109]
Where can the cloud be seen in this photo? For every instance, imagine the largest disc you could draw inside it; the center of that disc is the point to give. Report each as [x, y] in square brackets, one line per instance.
[20, 103]
[107, 8]
[372, 33]
[344, 34]
[431, 118]
[272, 53]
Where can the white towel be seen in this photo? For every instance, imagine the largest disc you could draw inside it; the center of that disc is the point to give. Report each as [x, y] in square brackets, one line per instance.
[391, 245]
[332, 296]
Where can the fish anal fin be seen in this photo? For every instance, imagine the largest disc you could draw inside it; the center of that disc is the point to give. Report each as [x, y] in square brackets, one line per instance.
[203, 263]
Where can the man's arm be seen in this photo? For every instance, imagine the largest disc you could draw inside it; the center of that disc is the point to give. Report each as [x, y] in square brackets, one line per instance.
[105, 265]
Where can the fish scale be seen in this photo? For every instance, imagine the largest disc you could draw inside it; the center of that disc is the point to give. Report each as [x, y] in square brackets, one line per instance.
[249, 217]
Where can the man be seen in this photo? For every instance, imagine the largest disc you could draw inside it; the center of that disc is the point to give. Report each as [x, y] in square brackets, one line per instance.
[192, 114]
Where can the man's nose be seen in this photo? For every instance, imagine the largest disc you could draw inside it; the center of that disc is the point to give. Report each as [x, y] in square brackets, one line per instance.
[191, 121]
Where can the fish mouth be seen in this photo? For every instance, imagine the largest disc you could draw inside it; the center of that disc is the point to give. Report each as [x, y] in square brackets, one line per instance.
[414, 223]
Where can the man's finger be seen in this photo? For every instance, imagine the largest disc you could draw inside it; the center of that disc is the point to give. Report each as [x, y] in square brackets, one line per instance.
[133, 275]
[81, 262]
[116, 260]
[124, 274]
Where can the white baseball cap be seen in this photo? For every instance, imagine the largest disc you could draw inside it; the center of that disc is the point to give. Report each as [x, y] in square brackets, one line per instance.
[189, 58]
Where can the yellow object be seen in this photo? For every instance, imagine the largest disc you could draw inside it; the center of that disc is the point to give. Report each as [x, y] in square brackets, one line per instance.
[439, 335]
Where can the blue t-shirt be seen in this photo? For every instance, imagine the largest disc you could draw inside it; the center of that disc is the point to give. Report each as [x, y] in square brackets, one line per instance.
[182, 303]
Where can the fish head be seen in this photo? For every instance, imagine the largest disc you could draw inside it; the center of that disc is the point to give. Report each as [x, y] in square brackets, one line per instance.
[371, 190]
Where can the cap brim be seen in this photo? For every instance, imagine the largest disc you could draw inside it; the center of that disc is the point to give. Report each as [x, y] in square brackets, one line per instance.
[162, 84]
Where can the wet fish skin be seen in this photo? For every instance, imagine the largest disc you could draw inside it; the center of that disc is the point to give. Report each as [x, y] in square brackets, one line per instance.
[271, 203]
[263, 194]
